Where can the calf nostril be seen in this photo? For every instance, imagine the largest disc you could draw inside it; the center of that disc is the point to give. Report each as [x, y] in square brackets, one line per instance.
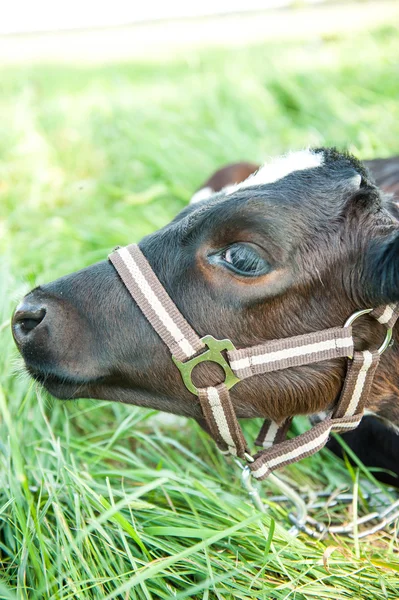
[26, 319]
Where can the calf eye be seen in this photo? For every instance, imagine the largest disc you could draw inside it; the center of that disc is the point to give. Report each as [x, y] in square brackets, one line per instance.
[243, 259]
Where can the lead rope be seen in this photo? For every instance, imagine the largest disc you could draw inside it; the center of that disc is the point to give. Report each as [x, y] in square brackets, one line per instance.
[188, 349]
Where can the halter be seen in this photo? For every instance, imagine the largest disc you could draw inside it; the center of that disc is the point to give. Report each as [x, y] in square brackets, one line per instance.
[188, 350]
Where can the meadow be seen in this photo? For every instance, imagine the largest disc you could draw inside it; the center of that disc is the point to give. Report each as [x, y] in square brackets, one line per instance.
[100, 500]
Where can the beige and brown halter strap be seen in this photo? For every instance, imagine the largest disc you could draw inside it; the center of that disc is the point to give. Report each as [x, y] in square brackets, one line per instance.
[347, 415]
[272, 433]
[188, 349]
[292, 352]
[155, 303]
[221, 420]
[386, 315]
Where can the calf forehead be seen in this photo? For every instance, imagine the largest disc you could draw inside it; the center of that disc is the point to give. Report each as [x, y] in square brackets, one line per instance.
[308, 176]
[289, 199]
[280, 167]
[304, 198]
[313, 165]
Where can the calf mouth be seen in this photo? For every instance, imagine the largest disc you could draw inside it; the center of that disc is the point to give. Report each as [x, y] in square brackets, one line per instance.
[64, 387]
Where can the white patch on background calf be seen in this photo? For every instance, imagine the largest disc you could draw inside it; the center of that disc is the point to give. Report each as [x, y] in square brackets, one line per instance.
[202, 194]
[281, 167]
[230, 188]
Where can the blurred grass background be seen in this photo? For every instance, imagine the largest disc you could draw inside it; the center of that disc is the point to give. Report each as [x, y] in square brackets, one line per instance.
[95, 501]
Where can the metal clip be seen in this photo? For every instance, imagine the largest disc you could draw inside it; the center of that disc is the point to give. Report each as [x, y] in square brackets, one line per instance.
[298, 519]
[385, 518]
[253, 493]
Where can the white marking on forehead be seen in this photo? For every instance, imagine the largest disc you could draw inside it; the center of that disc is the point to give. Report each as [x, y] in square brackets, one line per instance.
[280, 167]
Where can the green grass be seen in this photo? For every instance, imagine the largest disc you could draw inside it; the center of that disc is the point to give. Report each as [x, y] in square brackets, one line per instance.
[96, 501]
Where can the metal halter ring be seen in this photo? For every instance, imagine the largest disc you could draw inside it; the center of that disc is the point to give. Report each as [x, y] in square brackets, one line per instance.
[365, 311]
[212, 354]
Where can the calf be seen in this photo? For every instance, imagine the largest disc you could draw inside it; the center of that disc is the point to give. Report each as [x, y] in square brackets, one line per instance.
[294, 248]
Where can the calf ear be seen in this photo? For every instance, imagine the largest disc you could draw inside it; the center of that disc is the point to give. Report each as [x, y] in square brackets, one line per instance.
[381, 274]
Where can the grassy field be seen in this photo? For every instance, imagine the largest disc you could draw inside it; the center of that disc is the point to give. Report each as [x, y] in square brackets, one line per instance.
[98, 501]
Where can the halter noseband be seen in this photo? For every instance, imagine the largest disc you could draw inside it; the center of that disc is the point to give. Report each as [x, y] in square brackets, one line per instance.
[188, 350]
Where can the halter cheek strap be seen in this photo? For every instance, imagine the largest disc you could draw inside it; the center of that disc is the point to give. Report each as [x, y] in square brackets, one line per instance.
[188, 350]
[155, 303]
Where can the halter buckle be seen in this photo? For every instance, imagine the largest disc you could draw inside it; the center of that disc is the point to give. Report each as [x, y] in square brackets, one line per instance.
[212, 354]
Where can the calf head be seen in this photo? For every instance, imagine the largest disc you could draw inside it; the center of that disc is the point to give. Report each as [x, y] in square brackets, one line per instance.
[295, 248]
